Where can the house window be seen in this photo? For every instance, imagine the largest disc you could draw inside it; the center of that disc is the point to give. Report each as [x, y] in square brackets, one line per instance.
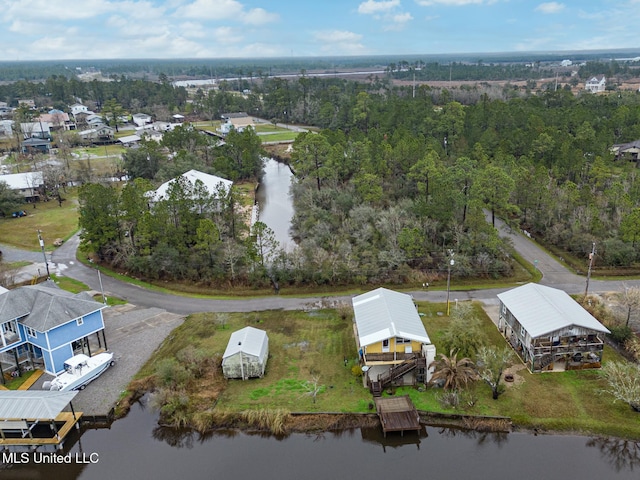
[79, 321]
[402, 340]
[385, 345]
[31, 332]
[504, 309]
[522, 332]
[8, 327]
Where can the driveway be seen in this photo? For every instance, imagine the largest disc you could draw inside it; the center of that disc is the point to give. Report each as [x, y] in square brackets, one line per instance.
[133, 333]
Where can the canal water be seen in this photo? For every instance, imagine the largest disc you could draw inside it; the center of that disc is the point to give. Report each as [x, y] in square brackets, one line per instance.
[275, 205]
[136, 448]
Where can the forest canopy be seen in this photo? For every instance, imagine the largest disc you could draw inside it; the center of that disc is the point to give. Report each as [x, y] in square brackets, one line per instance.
[396, 177]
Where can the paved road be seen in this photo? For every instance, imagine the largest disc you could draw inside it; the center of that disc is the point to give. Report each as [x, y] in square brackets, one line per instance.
[555, 274]
[65, 263]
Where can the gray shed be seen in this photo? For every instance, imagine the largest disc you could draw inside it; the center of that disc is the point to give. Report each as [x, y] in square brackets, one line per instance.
[246, 354]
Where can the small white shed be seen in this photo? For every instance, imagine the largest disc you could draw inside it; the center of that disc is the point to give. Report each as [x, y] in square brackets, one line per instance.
[246, 354]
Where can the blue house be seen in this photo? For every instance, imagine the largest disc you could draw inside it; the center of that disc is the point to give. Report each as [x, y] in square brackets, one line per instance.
[44, 325]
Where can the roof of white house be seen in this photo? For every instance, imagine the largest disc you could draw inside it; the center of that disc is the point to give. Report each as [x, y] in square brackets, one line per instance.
[33, 404]
[248, 340]
[542, 310]
[382, 314]
[129, 139]
[211, 182]
[22, 181]
[35, 127]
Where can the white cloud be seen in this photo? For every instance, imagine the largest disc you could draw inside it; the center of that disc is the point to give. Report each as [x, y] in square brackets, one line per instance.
[259, 16]
[193, 30]
[340, 42]
[337, 36]
[453, 3]
[398, 22]
[225, 10]
[550, 7]
[386, 11]
[402, 17]
[372, 6]
[211, 9]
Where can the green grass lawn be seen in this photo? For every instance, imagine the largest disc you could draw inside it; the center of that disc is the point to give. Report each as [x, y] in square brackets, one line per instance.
[53, 220]
[269, 128]
[102, 150]
[304, 345]
[15, 383]
[279, 137]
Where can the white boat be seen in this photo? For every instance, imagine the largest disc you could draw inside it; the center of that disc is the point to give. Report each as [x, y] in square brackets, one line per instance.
[79, 370]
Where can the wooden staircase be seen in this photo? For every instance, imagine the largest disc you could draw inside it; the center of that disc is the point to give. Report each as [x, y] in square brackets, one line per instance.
[376, 388]
[394, 373]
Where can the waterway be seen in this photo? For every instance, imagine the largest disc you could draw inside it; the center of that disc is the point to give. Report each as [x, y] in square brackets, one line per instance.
[136, 448]
[275, 204]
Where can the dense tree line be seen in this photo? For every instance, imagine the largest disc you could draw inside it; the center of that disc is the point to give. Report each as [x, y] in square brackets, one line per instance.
[398, 181]
[60, 91]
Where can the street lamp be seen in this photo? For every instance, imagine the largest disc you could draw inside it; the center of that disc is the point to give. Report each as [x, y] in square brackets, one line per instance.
[451, 264]
[41, 241]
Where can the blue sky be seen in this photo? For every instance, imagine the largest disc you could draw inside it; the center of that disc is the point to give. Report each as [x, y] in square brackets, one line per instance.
[88, 29]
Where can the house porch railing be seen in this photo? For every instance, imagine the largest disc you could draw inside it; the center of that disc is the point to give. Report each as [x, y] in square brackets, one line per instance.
[390, 357]
[547, 348]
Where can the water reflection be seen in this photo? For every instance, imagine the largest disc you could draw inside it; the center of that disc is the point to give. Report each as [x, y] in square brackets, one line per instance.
[275, 202]
[136, 447]
[374, 435]
[620, 454]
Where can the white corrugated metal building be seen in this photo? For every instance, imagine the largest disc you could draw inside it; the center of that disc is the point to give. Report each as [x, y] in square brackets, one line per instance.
[246, 354]
[381, 314]
[389, 333]
[549, 329]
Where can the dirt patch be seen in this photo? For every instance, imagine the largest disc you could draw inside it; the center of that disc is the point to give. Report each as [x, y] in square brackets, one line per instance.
[517, 371]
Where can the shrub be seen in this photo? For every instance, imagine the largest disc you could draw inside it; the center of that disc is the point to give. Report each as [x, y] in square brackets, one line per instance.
[632, 345]
[449, 399]
[171, 374]
[620, 334]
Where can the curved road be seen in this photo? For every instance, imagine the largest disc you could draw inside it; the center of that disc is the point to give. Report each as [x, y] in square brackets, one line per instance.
[555, 274]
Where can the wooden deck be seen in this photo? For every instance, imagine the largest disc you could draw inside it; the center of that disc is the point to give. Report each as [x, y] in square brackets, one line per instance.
[397, 414]
[64, 417]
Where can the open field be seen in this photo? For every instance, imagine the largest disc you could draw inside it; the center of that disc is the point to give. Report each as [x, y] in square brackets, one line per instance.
[53, 220]
[315, 344]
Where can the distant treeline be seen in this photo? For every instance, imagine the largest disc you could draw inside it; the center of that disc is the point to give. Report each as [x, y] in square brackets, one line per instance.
[396, 181]
[256, 67]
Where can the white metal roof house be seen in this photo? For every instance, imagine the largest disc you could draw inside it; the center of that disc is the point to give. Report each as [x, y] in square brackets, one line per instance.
[77, 108]
[549, 329]
[212, 183]
[26, 184]
[393, 344]
[141, 119]
[246, 354]
[596, 84]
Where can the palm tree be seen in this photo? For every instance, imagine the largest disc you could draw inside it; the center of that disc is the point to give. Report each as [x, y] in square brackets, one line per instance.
[455, 373]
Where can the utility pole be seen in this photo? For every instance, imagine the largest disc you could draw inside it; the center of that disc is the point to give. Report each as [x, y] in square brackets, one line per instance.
[43, 253]
[591, 255]
[451, 264]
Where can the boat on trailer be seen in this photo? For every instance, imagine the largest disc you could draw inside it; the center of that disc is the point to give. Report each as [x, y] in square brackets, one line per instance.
[79, 370]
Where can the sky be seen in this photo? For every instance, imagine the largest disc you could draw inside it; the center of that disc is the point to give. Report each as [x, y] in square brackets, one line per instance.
[95, 29]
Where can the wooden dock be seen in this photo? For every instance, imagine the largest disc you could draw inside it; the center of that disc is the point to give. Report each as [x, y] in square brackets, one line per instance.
[397, 414]
[66, 420]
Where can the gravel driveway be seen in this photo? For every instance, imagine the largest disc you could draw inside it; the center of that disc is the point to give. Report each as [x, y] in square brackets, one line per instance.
[133, 334]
